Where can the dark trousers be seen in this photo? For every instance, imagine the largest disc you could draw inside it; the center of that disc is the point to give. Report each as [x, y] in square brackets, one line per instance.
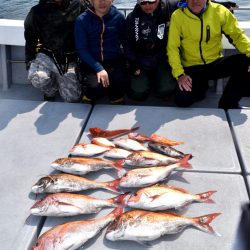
[118, 81]
[235, 67]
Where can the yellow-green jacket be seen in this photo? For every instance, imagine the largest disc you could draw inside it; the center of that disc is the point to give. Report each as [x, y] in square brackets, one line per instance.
[196, 40]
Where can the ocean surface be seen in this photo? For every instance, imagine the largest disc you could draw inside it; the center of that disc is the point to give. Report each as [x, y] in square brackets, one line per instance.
[18, 9]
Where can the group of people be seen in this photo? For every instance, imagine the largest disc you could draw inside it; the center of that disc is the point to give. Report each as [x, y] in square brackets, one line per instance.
[88, 49]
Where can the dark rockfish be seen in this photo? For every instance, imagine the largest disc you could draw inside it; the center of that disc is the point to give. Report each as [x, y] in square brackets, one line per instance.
[56, 183]
[110, 134]
[73, 235]
[166, 150]
[142, 226]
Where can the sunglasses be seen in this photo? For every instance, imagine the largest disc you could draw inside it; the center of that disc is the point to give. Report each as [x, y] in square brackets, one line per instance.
[147, 2]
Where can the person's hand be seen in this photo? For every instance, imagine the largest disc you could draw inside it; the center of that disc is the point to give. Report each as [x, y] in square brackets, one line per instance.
[103, 78]
[248, 68]
[137, 72]
[185, 83]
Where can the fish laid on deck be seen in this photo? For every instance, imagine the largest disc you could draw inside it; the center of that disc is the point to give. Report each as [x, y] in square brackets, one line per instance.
[73, 235]
[87, 150]
[103, 142]
[164, 140]
[130, 144]
[56, 183]
[166, 150]
[110, 134]
[150, 159]
[142, 177]
[143, 226]
[65, 204]
[82, 166]
[117, 153]
[163, 197]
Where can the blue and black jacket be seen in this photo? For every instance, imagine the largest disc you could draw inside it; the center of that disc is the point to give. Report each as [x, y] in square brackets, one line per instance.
[99, 40]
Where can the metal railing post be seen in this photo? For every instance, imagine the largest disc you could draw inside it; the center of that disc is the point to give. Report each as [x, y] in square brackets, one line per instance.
[5, 67]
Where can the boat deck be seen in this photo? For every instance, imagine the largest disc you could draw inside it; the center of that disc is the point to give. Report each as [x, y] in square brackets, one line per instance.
[35, 133]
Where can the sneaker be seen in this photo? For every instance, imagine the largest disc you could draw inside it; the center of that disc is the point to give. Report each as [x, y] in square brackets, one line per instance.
[119, 101]
[86, 100]
[48, 98]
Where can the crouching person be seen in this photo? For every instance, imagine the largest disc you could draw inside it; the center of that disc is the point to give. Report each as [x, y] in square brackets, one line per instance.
[50, 49]
[99, 35]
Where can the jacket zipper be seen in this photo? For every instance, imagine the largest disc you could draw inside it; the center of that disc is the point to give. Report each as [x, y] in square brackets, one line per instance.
[208, 33]
[202, 58]
[101, 40]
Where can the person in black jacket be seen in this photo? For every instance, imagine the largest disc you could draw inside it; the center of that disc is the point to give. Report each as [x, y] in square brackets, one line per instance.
[50, 49]
[147, 33]
[145, 49]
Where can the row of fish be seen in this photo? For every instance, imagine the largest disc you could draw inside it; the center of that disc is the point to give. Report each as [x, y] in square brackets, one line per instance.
[148, 168]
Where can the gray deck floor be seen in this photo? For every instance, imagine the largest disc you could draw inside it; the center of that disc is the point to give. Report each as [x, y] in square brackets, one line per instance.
[28, 92]
[33, 134]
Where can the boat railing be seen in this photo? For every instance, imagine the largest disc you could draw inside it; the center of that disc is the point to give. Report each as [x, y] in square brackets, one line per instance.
[12, 48]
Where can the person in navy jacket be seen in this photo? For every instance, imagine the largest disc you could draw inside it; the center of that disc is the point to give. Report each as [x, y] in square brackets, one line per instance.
[99, 37]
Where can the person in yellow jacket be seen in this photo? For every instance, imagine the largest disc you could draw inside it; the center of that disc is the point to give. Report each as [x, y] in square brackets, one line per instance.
[195, 52]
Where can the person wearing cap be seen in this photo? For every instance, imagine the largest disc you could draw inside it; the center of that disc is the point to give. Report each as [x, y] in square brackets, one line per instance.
[99, 35]
[145, 49]
[50, 50]
[195, 53]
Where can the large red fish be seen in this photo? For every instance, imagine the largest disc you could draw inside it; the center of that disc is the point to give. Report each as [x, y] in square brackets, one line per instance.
[110, 134]
[142, 226]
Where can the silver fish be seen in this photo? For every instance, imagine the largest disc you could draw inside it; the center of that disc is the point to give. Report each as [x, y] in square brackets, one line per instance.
[87, 150]
[129, 144]
[56, 183]
[166, 150]
[66, 204]
[82, 166]
[163, 197]
[143, 226]
[72, 235]
[142, 177]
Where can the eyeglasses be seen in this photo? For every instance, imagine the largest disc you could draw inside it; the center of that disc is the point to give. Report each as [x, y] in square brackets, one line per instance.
[147, 2]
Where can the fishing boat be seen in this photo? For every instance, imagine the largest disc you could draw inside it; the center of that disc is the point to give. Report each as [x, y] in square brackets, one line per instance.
[33, 133]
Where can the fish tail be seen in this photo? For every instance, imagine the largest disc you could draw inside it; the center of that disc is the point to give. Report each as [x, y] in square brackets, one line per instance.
[113, 185]
[119, 164]
[119, 200]
[134, 129]
[205, 197]
[202, 222]
[117, 211]
[184, 162]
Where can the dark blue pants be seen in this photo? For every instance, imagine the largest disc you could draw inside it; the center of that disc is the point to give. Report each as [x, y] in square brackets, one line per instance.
[118, 81]
[235, 67]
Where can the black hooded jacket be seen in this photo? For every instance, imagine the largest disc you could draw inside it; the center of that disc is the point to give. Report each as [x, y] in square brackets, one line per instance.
[146, 35]
[51, 26]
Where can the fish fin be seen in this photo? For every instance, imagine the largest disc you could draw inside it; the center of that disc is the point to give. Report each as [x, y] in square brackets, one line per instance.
[113, 185]
[120, 199]
[184, 162]
[202, 222]
[190, 156]
[134, 129]
[118, 164]
[177, 189]
[205, 197]
[117, 211]
[145, 243]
